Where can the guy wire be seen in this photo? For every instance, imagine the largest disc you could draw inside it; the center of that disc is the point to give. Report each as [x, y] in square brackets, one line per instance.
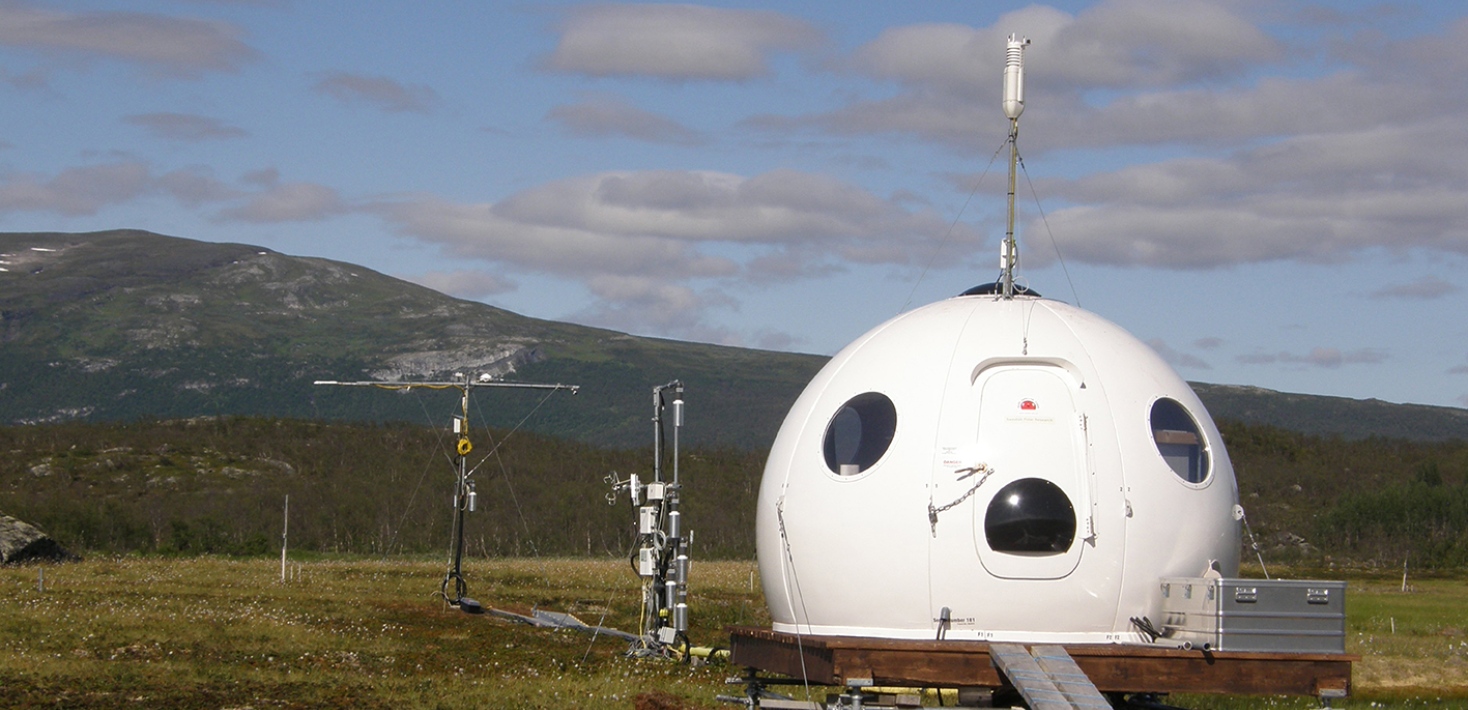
[408, 508]
[1046, 221]
[946, 235]
[505, 473]
[790, 557]
[438, 434]
[495, 450]
[1255, 544]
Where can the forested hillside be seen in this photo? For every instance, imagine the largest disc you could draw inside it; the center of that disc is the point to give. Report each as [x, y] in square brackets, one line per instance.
[218, 485]
[1375, 501]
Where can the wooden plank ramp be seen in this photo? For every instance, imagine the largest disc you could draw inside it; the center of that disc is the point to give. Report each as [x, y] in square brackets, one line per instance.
[1047, 677]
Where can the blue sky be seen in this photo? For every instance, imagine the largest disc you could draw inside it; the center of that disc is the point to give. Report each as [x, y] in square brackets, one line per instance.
[1269, 193]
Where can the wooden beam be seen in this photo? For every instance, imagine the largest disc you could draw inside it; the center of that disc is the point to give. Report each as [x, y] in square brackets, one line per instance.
[832, 660]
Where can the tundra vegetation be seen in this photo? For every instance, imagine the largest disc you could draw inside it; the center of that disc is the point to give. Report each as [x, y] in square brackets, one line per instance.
[180, 602]
[350, 631]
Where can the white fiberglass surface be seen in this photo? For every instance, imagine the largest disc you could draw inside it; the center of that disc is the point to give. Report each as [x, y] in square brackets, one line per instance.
[1030, 429]
[874, 521]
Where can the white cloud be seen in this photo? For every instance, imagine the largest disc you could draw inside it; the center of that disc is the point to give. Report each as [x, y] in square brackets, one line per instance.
[1112, 44]
[1280, 161]
[650, 304]
[675, 42]
[1327, 358]
[638, 223]
[1213, 116]
[766, 339]
[75, 191]
[1131, 43]
[378, 91]
[264, 177]
[600, 116]
[544, 245]
[1313, 198]
[170, 45]
[194, 187]
[1115, 44]
[185, 127]
[1177, 358]
[791, 262]
[1295, 166]
[288, 202]
[464, 283]
[654, 247]
[257, 3]
[26, 80]
[88, 189]
[1435, 59]
[1426, 288]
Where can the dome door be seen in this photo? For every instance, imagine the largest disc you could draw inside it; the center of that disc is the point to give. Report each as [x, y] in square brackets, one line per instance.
[1032, 514]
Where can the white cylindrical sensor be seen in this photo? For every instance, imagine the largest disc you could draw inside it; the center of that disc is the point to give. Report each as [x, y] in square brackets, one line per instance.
[1014, 77]
[680, 569]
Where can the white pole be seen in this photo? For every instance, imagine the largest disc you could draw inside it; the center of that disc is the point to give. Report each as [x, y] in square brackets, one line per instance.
[1014, 105]
[284, 531]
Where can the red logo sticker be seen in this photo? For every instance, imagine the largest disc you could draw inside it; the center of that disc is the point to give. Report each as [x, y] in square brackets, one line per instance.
[1027, 405]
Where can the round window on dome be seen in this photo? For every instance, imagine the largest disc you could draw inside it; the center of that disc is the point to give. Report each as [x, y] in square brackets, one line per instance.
[859, 434]
[1179, 440]
[1030, 516]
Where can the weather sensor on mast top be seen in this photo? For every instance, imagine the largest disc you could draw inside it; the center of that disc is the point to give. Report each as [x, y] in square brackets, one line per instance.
[1014, 77]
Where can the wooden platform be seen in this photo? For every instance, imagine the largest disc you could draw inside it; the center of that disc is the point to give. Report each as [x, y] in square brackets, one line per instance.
[1114, 668]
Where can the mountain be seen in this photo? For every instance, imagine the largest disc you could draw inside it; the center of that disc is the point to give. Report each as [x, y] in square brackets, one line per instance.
[1342, 416]
[126, 324]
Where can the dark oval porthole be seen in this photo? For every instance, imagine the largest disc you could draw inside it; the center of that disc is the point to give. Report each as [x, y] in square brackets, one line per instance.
[1179, 440]
[1030, 516]
[860, 433]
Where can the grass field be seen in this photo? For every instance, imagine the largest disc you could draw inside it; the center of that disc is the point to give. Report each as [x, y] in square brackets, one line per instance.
[220, 633]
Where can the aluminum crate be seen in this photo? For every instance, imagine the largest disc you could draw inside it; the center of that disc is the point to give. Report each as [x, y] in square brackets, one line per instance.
[1231, 614]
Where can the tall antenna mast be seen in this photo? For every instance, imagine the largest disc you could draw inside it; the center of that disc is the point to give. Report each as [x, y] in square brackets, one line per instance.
[1014, 105]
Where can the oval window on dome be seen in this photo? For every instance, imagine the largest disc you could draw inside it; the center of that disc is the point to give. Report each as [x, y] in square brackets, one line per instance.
[1030, 516]
[1179, 440]
[859, 434]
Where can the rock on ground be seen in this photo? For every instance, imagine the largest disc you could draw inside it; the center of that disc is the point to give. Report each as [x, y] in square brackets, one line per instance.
[22, 542]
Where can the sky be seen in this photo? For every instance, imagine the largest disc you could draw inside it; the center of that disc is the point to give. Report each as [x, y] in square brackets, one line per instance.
[1269, 193]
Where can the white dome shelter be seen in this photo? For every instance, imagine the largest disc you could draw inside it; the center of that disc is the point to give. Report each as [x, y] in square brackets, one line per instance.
[996, 466]
[1026, 465]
